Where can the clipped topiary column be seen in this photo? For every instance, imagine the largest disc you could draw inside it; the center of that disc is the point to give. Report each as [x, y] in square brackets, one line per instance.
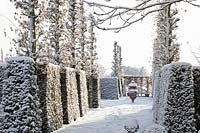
[50, 96]
[196, 79]
[20, 103]
[82, 92]
[93, 87]
[176, 102]
[96, 92]
[69, 95]
[156, 96]
[3, 75]
[109, 88]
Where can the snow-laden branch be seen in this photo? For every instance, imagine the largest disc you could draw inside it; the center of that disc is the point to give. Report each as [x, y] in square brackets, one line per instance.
[142, 6]
[138, 12]
[128, 22]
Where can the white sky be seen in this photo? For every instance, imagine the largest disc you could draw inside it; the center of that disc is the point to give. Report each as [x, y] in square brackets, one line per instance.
[136, 41]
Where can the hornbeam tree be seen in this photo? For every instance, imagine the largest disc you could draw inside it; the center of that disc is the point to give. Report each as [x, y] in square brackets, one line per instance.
[29, 15]
[92, 71]
[80, 35]
[71, 26]
[165, 47]
[54, 16]
[84, 55]
[58, 49]
[117, 63]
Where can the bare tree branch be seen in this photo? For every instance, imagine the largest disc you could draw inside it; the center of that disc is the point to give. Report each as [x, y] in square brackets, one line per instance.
[137, 12]
[135, 8]
[193, 4]
[134, 21]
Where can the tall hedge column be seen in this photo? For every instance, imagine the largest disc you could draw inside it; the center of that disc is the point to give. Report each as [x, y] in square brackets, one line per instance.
[20, 104]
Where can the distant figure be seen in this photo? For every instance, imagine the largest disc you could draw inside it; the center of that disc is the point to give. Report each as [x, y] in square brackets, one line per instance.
[132, 91]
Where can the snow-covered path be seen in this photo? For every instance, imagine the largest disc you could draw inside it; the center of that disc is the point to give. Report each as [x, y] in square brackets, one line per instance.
[112, 116]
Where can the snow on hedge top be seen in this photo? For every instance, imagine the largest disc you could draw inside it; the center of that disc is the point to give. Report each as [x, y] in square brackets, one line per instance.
[174, 64]
[20, 58]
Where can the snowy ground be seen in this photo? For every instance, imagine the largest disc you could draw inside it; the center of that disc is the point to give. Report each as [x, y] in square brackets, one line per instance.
[112, 117]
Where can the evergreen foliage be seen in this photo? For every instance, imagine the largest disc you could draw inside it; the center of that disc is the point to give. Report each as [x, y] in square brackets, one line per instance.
[20, 103]
[196, 80]
[175, 107]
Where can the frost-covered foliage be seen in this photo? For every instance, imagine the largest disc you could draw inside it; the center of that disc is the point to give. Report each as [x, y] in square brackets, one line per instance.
[82, 92]
[69, 95]
[196, 79]
[165, 47]
[175, 106]
[57, 33]
[131, 126]
[55, 28]
[48, 79]
[91, 68]
[156, 95]
[109, 88]
[91, 39]
[71, 27]
[20, 103]
[155, 128]
[80, 35]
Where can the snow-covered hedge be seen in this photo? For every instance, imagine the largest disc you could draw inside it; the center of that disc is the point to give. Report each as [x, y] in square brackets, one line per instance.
[82, 92]
[161, 84]
[175, 109]
[69, 95]
[156, 95]
[93, 86]
[109, 88]
[3, 75]
[50, 96]
[196, 79]
[96, 92]
[20, 104]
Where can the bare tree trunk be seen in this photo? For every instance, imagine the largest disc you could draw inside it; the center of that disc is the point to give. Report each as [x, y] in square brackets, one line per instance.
[32, 32]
